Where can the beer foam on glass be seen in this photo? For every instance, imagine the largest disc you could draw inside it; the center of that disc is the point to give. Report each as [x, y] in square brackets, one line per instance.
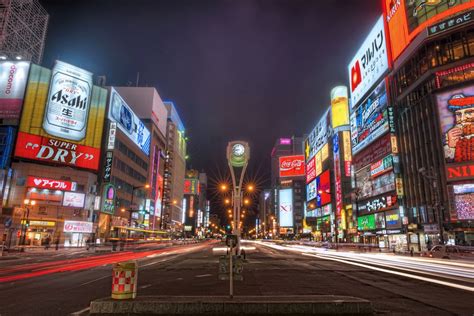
[68, 102]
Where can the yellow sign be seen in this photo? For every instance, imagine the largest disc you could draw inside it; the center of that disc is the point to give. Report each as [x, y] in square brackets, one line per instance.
[40, 223]
[339, 106]
[393, 140]
[325, 152]
[346, 141]
[318, 163]
[399, 186]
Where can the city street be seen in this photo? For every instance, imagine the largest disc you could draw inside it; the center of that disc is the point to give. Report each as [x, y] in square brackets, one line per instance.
[192, 270]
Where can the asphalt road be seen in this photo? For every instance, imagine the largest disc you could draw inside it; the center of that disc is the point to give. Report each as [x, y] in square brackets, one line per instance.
[192, 270]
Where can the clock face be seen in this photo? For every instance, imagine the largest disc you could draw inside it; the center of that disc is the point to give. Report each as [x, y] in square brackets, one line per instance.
[238, 150]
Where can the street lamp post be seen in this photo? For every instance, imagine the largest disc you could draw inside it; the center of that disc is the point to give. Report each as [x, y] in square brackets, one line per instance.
[24, 221]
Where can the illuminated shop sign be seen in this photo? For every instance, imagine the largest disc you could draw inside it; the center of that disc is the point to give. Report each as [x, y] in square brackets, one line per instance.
[371, 119]
[464, 171]
[292, 166]
[108, 199]
[375, 151]
[13, 77]
[50, 184]
[128, 122]
[451, 23]
[310, 171]
[407, 18]
[77, 227]
[74, 199]
[455, 75]
[369, 186]
[323, 189]
[320, 211]
[392, 219]
[286, 207]
[62, 117]
[108, 162]
[311, 190]
[285, 141]
[380, 167]
[369, 64]
[464, 201]
[366, 222]
[346, 141]
[7, 134]
[456, 114]
[337, 174]
[377, 204]
[379, 220]
[339, 107]
[318, 137]
[191, 186]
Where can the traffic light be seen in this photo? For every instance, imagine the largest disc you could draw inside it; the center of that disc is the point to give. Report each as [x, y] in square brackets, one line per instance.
[27, 224]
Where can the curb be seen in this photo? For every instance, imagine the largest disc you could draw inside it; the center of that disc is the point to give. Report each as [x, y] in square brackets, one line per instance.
[240, 305]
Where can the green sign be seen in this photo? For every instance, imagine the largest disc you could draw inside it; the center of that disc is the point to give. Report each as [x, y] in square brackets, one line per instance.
[108, 199]
[366, 222]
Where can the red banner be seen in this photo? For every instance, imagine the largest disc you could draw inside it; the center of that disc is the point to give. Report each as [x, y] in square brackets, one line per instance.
[461, 171]
[56, 151]
[292, 166]
[51, 184]
[310, 171]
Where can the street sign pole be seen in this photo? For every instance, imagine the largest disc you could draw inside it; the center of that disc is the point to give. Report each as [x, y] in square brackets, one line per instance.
[231, 281]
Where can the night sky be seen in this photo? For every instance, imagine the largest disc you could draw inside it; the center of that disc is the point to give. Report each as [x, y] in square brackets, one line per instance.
[236, 69]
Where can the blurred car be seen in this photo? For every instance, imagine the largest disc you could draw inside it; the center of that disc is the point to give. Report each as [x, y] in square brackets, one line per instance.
[444, 252]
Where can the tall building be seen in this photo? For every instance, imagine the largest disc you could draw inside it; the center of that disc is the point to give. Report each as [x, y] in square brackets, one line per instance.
[175, 168]
[23, 26]
[287, 181]
[149, 107]
[50, 189]
[432, 92]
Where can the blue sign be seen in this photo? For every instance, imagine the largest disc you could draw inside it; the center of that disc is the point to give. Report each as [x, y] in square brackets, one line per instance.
[6, 145]
[8, 222]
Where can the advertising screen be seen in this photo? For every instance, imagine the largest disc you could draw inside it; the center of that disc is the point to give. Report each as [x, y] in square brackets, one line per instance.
[323, 189]
[7, 133]
[392, 219]
[128, 122]
[370, 120]
[369, 64]
[62, 117]
[368, 186]
[77, 227]
[464, 201]
[13, 76]
[381, 166]
[318, 136]
[366, 222]
[407, 18]
[311, 190]
[191, 186]
[456, 115]
[286, 207]
[339, 106]
[292, 166]
[375, 151]
[74, 199]
[337, 173]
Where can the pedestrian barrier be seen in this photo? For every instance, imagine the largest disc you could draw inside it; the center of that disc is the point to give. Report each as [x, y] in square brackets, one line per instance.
[124, 280]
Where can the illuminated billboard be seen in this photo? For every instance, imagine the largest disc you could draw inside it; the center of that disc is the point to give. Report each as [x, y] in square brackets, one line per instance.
[291, 166]
[456, 116]
[128, 122]
[370, 120]
[286, 207]
[74, 199]
[50, 184]
[366, 222]
[191, 186]
[339, 107]
[407, 18]
[7, 134]
[463, 201]
[13, 77]
[311, 190]
[62, 117]
[369, 186]
[310, 171]
[369, 64]
[318, 137]
[323, 189]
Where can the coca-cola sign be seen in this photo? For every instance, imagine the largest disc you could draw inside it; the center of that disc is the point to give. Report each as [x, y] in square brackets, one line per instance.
[292, 166]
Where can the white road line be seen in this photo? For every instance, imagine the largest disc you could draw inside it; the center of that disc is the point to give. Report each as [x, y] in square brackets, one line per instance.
[462, 287]
[203, 275]
[95, 280]
[81, 311]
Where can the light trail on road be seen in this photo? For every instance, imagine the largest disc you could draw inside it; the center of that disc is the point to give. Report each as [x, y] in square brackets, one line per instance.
[432, 270]
[40, 269]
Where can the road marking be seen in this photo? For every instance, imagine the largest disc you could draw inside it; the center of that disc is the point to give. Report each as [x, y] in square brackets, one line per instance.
[462, 287]
[203, 275]
[81, 311]
[98, 279]
[145, 286]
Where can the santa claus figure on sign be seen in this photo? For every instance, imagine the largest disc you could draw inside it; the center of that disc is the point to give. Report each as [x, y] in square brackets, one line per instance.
[459, 145]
